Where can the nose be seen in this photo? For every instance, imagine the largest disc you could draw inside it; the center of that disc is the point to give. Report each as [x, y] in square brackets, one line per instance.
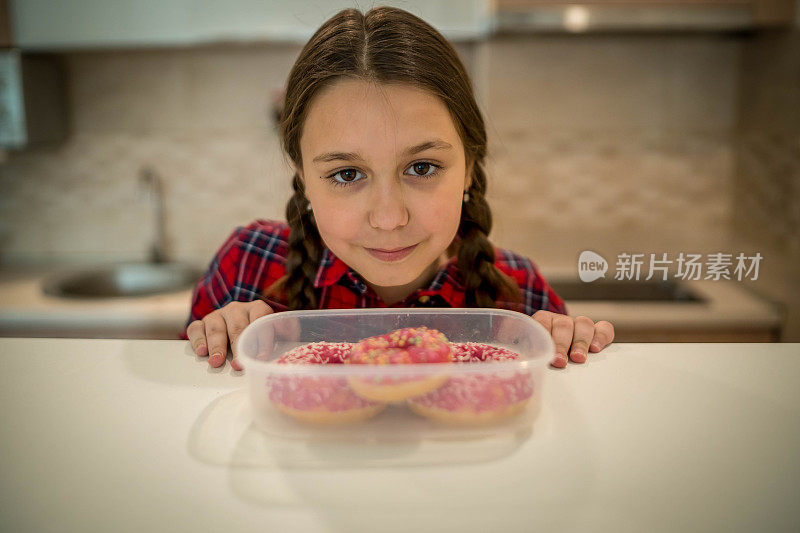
[388, 209]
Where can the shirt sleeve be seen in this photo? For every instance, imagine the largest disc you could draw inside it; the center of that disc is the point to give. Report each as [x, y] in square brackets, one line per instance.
[536, 292]
[213, 289]
[542, 295]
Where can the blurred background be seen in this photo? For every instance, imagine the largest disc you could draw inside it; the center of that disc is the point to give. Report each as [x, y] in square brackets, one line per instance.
[135, 136]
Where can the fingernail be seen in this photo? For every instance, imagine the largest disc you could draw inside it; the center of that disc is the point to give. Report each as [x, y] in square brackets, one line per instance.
[202, 349]
[578, 356]
[595, 345]
[216, 359]
[561, 359]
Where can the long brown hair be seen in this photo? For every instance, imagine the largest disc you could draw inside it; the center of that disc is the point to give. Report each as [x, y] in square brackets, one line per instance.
[388, 45]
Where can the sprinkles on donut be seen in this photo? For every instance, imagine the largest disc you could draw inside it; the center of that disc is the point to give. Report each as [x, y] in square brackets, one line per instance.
[464, 399]
[319, 399]
[477, 398]
[401, 346]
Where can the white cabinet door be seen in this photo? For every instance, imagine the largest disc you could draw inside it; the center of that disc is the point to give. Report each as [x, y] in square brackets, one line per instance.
[76, 24]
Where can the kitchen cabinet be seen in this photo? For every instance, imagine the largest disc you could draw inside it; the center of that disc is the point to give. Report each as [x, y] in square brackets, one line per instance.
[51, 25]
[78, 24]
[33, 99]
[5, 25]
[656, 15]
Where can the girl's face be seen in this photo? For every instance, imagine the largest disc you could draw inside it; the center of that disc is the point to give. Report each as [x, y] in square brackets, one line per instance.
[384, 170]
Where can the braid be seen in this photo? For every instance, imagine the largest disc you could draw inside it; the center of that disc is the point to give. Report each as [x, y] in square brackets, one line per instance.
[483, 281]
[305, 252]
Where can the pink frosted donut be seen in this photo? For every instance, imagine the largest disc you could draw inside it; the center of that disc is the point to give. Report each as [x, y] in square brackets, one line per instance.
[401, 346]
[477, 398]
[477, 352]
[319, 399]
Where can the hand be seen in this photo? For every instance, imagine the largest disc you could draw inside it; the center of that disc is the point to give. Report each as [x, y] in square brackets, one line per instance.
[210, 335]
[579, 332]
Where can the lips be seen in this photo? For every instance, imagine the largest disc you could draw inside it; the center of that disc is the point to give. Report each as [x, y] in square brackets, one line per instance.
[388, 251]
[394, 254]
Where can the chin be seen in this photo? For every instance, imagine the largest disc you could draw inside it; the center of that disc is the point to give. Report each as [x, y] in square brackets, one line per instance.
[385, 279]
[389, 274]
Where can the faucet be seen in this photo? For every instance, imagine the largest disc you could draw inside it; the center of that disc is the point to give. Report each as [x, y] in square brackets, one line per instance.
[153, 188]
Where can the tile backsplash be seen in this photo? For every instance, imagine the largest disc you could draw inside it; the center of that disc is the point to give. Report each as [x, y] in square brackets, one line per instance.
[766, 182]
[612, 143]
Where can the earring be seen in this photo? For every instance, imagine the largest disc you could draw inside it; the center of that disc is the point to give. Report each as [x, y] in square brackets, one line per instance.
[466, 196]
[308, 207]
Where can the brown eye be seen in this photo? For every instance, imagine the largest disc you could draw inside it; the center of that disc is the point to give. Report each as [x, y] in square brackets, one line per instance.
[348, 175]
[424, 169]
[423, 166]
[344, 177]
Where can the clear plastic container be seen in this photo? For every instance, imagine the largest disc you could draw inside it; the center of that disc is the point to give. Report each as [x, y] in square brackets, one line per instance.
[461, 400]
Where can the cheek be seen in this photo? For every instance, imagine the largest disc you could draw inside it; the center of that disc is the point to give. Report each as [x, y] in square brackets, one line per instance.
[336, 222]
[438, 215]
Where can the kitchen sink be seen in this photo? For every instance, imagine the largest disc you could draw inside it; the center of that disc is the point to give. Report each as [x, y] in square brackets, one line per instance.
[625, 290]
[122, 280]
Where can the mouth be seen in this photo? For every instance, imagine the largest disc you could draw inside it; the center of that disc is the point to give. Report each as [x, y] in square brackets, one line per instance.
[395, 254]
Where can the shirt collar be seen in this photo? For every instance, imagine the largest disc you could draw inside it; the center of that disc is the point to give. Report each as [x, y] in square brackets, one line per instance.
[445, 283]
[331, 268]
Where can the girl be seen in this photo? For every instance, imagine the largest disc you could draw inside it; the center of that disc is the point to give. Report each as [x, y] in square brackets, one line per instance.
[389, 206]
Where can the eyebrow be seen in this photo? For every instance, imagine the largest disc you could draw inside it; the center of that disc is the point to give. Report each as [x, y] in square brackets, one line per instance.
[436, 144]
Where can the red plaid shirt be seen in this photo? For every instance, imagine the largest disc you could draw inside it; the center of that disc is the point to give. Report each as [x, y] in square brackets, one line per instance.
[254, 257]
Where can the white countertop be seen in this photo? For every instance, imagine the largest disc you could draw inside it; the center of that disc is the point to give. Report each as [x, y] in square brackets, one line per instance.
[126, 435]
[24, 308]
[726, 304]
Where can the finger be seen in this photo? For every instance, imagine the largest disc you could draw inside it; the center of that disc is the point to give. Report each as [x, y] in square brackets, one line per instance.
[217, 335]
[197, 338]
[259, 308]
[545, 318]
[509, 331]
[237, 317]
[582, 336]
[263, 344]
[603, 335]
[563, 328]
[288, 329]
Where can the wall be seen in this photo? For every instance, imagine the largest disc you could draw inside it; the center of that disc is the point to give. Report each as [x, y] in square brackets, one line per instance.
[613, 143]
[199, 116]
[766, 183]
[610, 143]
